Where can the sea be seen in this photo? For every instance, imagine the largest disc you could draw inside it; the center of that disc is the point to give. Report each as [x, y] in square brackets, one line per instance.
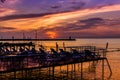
[90, 71]
[113, 56]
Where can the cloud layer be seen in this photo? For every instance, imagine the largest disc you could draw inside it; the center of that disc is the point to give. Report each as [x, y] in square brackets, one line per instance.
[63, 18]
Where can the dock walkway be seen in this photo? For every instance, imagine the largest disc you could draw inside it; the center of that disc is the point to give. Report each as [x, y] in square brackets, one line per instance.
[23, 62]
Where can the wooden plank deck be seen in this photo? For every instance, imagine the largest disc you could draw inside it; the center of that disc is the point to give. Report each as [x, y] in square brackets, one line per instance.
[49, 65]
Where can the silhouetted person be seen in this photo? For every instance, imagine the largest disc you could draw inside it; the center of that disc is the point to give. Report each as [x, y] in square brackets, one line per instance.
[62, 54]
[53, 51]
[27, 51]
[42, 47]
[89, 54]
[33, 50]
[13, 49]
[7, 51]
[21, 50]
[55, 54]
[41, 50]
[0, 49]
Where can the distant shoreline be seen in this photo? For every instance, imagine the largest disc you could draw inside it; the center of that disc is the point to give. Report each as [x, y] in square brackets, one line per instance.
[70, 39]
[97, 38]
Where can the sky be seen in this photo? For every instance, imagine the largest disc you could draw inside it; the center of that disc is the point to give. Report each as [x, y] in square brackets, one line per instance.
[60, 19]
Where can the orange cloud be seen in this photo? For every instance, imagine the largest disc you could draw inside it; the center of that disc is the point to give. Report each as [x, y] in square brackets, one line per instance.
[51, 34]
[53, 20]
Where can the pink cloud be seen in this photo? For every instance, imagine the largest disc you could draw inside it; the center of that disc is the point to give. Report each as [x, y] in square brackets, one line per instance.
[11, 2]
[6, 11]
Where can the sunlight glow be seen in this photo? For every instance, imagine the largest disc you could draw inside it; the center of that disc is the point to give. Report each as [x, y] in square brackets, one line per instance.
[51, 34]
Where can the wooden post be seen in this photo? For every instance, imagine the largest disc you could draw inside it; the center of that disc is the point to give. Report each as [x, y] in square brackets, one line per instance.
[49, 72]
[14, 74]
[103, 69]
[106, 45]
[64, 46]
[60, 72]
[53, 70]
[74, 71]
[105, 49]
[81, 70]
[56, 46]
[109, 68]
[67, 71]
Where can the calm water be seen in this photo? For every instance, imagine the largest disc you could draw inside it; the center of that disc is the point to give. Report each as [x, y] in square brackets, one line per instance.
[90, 72]
[113, 43]
[113, 57]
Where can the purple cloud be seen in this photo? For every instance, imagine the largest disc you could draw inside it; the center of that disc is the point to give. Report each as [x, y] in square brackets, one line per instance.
[23, 16]
[91, 26]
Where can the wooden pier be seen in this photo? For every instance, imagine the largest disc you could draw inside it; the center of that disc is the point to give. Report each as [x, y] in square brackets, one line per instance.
[23, 65]
[69, 39]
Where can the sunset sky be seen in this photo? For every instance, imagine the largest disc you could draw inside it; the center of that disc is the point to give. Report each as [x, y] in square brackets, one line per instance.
[60, 18]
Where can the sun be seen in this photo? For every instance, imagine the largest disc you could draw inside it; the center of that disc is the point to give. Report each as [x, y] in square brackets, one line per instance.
[51, 34]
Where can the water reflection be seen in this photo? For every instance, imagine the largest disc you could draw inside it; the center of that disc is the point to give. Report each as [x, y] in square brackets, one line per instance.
[79, 71]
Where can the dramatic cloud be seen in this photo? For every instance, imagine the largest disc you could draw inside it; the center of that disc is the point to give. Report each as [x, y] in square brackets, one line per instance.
[60, 18]
[42, 6]
[35, 21]
[4, 29]
[94, 27]
[23, 16]
[5, 11]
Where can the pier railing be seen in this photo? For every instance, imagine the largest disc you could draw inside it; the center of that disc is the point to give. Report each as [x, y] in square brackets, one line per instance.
[100, 52]
[11, 62]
